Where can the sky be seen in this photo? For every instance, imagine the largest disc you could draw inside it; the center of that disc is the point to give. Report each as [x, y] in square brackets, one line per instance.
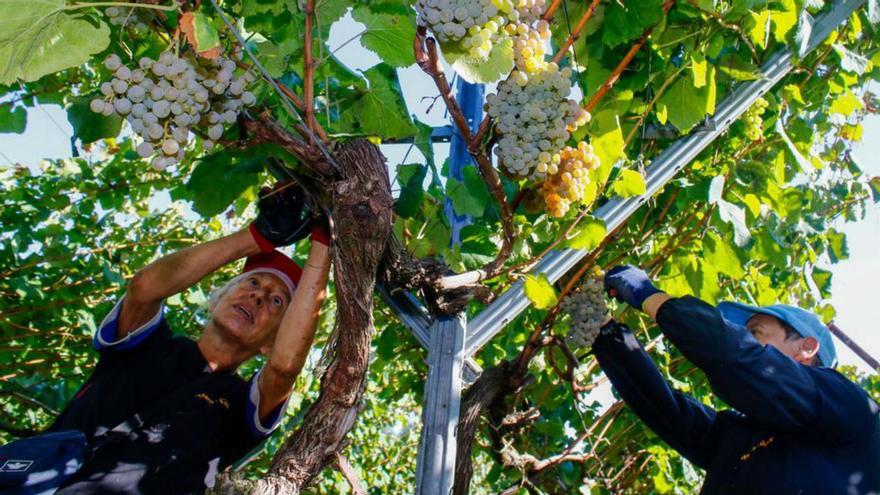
[854, 283]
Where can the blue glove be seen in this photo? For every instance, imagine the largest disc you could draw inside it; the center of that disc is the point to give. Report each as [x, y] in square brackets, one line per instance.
[629, 284]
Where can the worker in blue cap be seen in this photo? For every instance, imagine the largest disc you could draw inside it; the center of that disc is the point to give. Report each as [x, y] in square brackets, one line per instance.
[796, 426]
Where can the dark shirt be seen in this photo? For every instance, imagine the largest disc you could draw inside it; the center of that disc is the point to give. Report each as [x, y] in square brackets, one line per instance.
[794, 429]
[186, 423]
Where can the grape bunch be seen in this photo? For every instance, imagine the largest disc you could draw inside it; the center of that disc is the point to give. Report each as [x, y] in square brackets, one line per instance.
[530, 46]
[569, 183]
[754, 122]
[535, 117]
[164, 99]
[529, 32]
[137, 18]
[475, 24]
[587, 309]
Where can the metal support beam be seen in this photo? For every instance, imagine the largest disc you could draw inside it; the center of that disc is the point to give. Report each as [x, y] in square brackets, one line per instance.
[416, 317]
[513, 301]
[435, 465]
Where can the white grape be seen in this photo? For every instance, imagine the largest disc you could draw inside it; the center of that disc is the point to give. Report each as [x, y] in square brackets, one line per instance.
[170, 146]
[155, 131]
[162, 99]
[122, 106]
[123, 73]
[145, 150]
[536, 118]
[96, 105]
[119, 86]
[587, 310]
[136, 93]
[215, 132]
[112, 62]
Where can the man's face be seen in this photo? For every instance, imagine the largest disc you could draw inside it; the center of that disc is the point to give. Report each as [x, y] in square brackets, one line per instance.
[768, 331]
[251, 310]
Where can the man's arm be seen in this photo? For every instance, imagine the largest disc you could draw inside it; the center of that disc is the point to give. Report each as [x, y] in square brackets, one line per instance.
[759, 381]
[295, 333]
[177, 272]
[682, 422]
[283, 219]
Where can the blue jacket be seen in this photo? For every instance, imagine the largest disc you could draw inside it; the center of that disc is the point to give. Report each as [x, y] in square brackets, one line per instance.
[793, 429]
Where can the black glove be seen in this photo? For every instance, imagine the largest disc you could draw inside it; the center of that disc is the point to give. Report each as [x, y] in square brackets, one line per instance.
[284, 216]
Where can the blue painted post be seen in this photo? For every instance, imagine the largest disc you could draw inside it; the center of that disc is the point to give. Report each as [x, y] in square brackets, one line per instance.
[470, 100]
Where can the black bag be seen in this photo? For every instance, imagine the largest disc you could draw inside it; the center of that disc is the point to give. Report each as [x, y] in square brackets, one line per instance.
[39, 465]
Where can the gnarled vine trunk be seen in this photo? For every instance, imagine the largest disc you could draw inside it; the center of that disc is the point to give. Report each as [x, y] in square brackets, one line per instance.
[362, 218]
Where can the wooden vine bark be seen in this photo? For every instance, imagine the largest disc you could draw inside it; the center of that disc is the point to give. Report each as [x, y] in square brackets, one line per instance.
[362, 206]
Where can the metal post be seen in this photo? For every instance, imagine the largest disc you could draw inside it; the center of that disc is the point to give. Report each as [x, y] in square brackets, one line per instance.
[513, 301]
[435, 466]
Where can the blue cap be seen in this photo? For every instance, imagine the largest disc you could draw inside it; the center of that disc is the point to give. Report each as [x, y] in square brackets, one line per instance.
[805, 323]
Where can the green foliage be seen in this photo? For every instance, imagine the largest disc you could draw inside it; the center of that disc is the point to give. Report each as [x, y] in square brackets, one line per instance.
[40, 38]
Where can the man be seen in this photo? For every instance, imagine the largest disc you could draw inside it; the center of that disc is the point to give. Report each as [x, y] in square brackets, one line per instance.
[796, 427]
[162, 414]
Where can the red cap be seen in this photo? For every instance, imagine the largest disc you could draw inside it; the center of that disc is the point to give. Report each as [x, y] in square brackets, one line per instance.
[276, 263]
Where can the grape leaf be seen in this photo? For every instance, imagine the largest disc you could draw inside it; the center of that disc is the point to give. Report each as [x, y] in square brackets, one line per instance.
[851, 61]
[389, 33]
[89, 126]
[627, 22]
[411, 177]
[607, 142]
[498, 64]
[540, 291]
[12, 119]
[758, 27]
[219, 178]
[629, 183]
[686, 104]
[469, 197]
[588, 234]
[379, 110]
[55, 42]
[721, 255]
[846, 104]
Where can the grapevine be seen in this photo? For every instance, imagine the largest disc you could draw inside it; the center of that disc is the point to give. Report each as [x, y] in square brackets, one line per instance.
[534, 117]
[587, 310]
[569, 183]
[163, 99]
[753, 121]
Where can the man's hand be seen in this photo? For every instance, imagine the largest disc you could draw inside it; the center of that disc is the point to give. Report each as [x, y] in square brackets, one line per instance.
[284, 217]
[629, 284]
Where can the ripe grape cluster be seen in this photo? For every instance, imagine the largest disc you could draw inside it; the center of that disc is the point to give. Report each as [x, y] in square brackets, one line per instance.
[535, 118]
[587, 309]
[164, 99]
[754, 122]
[478, 24]
[569, 183]
[137, 18]
[475, 23]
